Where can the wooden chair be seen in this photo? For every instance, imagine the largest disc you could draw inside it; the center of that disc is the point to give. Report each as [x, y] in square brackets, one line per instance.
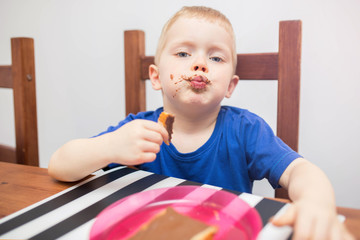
[20, 76]
[283, 66]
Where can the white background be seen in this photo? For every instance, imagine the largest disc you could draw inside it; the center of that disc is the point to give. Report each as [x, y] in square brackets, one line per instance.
[79, 59]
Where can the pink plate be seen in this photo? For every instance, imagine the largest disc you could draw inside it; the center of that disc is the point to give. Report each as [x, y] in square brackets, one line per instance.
[234, 218]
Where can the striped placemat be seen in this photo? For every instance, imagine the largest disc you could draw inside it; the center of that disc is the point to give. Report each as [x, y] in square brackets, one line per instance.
[71, 213]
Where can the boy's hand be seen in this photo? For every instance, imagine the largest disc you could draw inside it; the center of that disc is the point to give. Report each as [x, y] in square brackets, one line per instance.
[313, 212]
[136, 142]
[313, 221]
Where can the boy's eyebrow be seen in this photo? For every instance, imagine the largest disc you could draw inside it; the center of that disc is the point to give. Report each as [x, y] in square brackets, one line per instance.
[221, 49]
[189, 43]
[182, 43]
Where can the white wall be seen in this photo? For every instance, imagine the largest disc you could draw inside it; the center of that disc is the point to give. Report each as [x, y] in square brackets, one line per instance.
[80, 73]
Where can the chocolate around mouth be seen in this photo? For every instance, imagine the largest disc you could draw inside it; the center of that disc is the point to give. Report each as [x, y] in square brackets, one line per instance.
[197, 82]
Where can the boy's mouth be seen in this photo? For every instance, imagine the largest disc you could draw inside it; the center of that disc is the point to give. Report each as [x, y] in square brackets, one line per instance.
[197, 82]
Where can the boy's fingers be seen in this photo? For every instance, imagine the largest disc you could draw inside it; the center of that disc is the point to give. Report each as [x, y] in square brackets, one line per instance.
[147, 157]
[165, 136]
[154, 126]
[288, 218]
[150, 147]
[153, 136]
[164, 133]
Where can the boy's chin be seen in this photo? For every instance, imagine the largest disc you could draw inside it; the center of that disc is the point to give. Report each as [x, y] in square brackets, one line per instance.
[196, 103]
[190, 98]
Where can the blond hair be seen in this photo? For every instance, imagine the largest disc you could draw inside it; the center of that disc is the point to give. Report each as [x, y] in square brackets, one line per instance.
[200, 12]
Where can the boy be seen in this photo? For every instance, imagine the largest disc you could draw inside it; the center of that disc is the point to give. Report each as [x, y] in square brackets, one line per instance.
[224, 146]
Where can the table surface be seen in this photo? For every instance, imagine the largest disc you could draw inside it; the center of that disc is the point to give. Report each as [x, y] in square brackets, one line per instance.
[22, 186]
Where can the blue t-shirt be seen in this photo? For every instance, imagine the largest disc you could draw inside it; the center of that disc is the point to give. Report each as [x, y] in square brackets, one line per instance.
[241, 149]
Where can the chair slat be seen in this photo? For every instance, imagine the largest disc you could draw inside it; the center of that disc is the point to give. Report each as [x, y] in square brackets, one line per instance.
[257, 66]
[135, 88]
[253, 66]
[23, 73]
[289, 87]
[5, 77]
[289, 82]
[7, 154]
[145, 63]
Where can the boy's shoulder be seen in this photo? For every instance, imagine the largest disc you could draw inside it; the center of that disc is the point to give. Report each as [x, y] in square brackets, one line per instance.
[241, 120]
[238, 113]
[149, 115]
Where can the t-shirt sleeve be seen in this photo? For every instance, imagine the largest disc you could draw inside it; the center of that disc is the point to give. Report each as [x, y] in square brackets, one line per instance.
[129, 118]
[267, 155]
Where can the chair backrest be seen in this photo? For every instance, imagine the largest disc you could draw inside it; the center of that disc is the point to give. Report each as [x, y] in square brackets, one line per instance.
[283, 66]
[20, 76]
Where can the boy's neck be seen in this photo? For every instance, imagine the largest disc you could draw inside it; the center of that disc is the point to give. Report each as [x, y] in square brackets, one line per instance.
[194, 121]
[192, 129]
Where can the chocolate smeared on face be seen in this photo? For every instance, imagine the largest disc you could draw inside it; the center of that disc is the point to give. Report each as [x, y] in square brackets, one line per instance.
[179, 81]
[197, 82]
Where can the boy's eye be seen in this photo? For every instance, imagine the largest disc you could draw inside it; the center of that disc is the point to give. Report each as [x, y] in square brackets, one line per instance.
[182, 54]
[216, 59]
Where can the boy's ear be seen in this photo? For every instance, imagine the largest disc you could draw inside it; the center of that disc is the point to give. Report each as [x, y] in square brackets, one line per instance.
[154, 77]
[234, 81]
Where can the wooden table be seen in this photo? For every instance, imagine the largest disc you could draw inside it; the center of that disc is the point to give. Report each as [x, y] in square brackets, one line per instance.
[21, 186]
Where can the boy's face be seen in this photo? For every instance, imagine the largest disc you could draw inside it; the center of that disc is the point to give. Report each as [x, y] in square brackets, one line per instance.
[196, 66]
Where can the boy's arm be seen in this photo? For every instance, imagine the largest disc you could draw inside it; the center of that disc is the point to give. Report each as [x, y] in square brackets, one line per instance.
[134, 143]
[313, 212]
[78, 158]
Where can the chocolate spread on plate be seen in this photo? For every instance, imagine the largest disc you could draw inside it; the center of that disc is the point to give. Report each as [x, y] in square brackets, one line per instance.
[169, 224]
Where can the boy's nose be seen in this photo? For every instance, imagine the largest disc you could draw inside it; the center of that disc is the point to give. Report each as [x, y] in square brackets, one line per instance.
[200, 67]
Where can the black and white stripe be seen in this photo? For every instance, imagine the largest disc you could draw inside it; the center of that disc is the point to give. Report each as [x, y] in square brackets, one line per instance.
[71, 213]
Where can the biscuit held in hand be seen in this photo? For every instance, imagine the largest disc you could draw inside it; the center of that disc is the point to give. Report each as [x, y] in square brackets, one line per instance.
[167, 120]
